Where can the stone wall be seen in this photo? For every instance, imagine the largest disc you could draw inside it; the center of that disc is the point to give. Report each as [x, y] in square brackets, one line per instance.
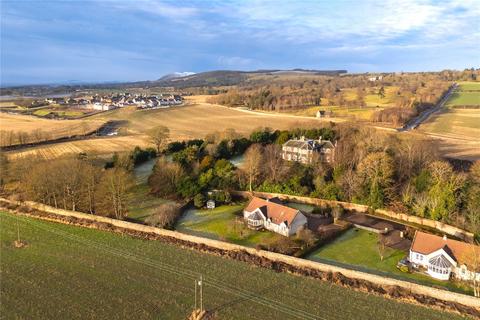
[297, 262]
[440, 226]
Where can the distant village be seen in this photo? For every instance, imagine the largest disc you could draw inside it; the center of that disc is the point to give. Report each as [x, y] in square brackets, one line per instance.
[113, 101]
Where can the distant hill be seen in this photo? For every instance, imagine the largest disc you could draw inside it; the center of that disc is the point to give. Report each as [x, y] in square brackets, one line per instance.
[230, 77]
[176, 80]
[176, 75]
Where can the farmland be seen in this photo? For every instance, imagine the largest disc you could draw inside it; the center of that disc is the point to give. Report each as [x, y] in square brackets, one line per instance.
[468, 94]
[458, 121]
[192, 121]
[58, 128]
[63, 271]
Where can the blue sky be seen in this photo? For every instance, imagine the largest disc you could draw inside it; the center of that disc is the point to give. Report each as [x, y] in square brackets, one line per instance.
[126, 40]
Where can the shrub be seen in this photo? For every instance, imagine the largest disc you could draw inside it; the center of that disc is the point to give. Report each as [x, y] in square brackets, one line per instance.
[165, 215]
[199, 201]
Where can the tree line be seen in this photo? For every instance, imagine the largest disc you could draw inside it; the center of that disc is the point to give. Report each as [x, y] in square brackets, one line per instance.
[412, 93]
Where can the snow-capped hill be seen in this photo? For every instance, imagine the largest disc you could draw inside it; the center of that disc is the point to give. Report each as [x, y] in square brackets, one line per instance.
[176, 75]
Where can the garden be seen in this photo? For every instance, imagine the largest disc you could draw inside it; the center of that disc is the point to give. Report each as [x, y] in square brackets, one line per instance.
[223, 223]
[359, 249]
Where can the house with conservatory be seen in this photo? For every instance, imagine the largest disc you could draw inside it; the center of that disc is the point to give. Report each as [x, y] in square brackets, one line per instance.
[272, 215]
[443, 258]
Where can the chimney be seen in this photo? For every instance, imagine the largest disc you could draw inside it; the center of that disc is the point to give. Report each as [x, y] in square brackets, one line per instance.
[444, 237]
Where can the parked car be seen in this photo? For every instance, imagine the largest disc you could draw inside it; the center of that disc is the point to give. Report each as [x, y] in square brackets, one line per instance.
[404, 265]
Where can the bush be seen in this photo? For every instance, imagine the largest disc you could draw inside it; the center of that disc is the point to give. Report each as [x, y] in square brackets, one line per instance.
[165, 215]
[199, 201]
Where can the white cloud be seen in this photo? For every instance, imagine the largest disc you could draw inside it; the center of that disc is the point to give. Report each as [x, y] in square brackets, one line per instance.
[234, 61]
[156, 7]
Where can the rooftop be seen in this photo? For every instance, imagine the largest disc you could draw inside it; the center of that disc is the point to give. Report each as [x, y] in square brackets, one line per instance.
[277, 212]
[462, 252]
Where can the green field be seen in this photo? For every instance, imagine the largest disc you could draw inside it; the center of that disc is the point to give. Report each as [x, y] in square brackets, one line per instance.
[359, 248]
[469, 85]
[68, 272]
[459, 123]
[467, 94]
[225, 223]
[461, 98]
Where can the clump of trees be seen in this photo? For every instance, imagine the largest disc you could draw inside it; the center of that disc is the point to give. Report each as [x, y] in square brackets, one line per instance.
[73, 184]
[413, 93]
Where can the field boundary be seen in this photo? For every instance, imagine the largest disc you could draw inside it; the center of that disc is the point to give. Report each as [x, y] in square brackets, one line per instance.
[389, 287]
[440, 226]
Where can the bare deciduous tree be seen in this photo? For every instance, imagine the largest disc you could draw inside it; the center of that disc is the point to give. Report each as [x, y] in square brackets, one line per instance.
[273, 162]
[252, 165]
[159, 137]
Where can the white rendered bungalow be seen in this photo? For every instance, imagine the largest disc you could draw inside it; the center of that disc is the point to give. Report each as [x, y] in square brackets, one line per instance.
[443, 257]
[272, 215]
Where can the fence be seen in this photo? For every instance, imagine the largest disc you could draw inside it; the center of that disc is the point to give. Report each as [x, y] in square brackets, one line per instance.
[292, 261]
[440, 226]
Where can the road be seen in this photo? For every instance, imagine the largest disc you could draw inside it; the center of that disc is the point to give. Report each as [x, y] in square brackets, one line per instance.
[414, 123]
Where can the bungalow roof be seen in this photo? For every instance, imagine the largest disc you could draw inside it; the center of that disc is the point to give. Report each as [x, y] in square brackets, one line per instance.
[462, 252]
[278, 213]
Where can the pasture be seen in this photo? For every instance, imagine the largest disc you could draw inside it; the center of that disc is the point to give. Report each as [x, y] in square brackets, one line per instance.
[458, 127]
[461, 98]
[469, 86]
[79, 273]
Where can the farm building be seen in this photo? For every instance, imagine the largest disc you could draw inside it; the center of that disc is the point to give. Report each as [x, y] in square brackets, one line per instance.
[442, 257]
[272, 215]
[305, 150]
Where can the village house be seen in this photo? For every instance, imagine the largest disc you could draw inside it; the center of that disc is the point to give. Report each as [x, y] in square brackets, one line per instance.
[272, 215]
[305, 150]
[441, 257]
[102, 106]
[324, 114]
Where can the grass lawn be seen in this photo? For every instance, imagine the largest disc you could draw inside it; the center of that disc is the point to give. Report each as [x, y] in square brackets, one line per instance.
[225, 223]
[142, 203]
[359, 248]
[68, 272]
